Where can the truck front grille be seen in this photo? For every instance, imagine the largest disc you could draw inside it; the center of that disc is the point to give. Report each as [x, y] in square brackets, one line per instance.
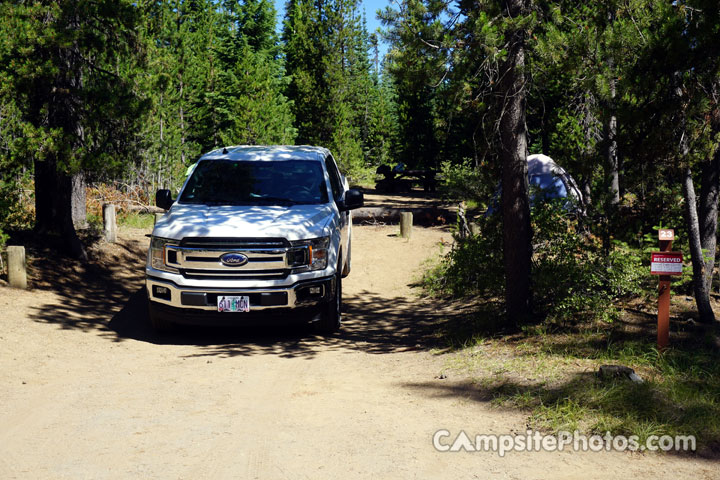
[234, 275]
[200, 258]
[232, 242]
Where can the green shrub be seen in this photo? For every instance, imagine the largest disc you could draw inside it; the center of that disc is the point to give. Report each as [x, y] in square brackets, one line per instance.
[464, 181]
[3, 240]
[17, 206]
[473, 266]
[571, 274]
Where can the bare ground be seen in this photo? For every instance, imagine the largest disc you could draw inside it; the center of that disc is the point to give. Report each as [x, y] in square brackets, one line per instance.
[87, 391]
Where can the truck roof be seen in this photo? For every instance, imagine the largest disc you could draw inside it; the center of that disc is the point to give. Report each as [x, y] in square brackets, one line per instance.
[267, 153]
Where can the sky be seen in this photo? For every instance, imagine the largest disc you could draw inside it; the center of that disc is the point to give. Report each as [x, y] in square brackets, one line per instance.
[370, 7]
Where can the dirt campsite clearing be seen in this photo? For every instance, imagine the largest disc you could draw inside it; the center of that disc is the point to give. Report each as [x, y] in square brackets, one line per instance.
[88, 391]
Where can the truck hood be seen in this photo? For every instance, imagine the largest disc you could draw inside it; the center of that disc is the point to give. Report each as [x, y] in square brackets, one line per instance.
[296, 222]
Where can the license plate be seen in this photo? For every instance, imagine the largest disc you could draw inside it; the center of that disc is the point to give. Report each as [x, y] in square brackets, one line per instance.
[233, 304]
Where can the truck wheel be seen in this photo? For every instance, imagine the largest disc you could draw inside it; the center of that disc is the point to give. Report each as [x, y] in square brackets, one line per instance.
[330, 316]
[158, 323]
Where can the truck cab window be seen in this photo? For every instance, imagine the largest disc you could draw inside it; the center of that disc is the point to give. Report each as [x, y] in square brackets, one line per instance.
[335, 180]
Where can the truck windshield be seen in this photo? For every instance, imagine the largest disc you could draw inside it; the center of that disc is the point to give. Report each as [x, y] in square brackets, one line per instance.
[229, 182]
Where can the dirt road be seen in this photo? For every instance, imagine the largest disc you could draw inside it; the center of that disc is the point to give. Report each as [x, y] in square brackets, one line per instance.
[87, 391]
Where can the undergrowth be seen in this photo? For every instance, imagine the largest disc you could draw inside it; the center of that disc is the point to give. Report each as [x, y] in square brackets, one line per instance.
[553, 377]
[574, 277]
[549, 368]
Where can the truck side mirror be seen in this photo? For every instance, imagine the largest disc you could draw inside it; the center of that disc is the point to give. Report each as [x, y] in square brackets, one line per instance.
[353, 199]
[163, 199]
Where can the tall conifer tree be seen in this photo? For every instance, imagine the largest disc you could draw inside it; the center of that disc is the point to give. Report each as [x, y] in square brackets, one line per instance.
[65, 62]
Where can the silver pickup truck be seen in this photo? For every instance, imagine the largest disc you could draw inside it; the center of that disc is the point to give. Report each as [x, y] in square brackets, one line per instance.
[256, 235]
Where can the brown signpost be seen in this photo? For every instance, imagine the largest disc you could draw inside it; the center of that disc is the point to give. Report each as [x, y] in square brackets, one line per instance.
[665, 263]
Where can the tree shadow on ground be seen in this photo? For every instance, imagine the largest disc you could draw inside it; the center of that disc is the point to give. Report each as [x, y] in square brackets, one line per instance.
[107, 297]
[371, 324]
[89, 292]
[550, 372]
[587, 403]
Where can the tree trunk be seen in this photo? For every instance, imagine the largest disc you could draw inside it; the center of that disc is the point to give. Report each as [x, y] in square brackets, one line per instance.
[709, 191]
[611, 160]
[517, 232]
[182, 125]
[587, 192]
[611, 156]
[700, 286]
[53, 185]
[53, 206]
[79, 201]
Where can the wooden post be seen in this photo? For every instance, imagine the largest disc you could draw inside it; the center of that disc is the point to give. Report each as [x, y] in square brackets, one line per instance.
[406, 221]
[17, 272]
[663, 332]
[109, 222]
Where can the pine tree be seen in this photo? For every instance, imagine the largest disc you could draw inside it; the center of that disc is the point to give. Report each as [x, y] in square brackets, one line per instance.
[332, 86]
[478, 58]
[178, 36]
[680, 108]
[251, 78]
[380, 145]
[305, 35]
[416, 64]
[14, 167]
[256, 25]
[63, 62]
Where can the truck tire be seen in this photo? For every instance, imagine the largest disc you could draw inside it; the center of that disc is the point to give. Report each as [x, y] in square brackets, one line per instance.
[158, 323]
[330, 316]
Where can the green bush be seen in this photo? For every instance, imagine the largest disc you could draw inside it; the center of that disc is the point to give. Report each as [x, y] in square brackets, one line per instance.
[17, 209]
[571, 274]
[473, 266]
[3, 239]
[464, 181]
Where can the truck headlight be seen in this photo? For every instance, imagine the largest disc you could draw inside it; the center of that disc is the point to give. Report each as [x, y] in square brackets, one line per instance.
[308, 255]
[157, 257]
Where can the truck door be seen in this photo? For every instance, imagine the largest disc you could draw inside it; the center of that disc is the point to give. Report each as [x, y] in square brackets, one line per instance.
[338, 190]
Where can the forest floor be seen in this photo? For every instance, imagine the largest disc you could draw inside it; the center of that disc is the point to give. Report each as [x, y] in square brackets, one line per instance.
[88, 391]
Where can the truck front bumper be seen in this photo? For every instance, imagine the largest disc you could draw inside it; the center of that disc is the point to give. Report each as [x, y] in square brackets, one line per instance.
[301, 294]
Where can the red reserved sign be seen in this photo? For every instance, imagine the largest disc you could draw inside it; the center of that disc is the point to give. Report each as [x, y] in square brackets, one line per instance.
[666, 263]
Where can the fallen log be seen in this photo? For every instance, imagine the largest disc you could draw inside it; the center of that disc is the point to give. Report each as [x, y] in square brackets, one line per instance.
[425, 216]
[139, 208]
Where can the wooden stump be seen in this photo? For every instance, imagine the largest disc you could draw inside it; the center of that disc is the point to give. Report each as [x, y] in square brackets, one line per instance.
[406, 221]
[17, 271]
